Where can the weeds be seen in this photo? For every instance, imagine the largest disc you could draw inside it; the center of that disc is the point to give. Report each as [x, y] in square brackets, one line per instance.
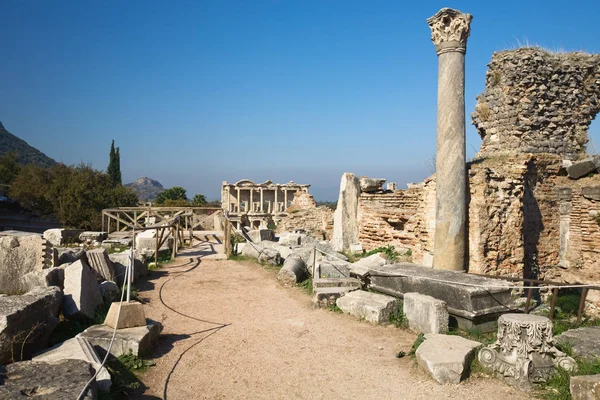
[389, 252]
[307, 286]
[475, 334]
[558, 386]
[418, 341]
[122, 371]
[398, 318]
[334, 308]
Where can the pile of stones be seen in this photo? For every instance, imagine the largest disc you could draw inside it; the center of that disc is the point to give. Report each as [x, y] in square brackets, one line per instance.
[40, 284]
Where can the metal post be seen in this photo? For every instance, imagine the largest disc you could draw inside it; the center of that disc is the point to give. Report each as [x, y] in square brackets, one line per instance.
[314, 262]
[584, 293]
[529, 295]
[553, 303]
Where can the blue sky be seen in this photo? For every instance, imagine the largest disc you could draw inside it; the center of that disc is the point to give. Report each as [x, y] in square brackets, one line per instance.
[197, 92]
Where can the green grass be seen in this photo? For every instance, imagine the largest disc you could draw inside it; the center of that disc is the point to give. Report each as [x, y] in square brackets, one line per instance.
[418, 341]
[398, 318]
[334, 308]
[475, 334]
[69, 328]
[307, 286]
[164, 257]
[558, 386]
[123, 373]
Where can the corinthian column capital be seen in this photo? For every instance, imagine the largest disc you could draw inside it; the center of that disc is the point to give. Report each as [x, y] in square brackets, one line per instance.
[450, 30]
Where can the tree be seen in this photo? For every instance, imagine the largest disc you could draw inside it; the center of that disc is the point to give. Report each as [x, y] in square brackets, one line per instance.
[114, 165]
[174, 193]
[199, 200]
[76, 195]
[9, 168]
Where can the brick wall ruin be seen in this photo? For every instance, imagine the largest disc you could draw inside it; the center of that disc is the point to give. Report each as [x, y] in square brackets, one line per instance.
[400, 218]
[315, 221]
[538, 102]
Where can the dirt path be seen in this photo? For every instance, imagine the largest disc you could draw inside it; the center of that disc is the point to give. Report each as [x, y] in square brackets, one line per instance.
[254, 339]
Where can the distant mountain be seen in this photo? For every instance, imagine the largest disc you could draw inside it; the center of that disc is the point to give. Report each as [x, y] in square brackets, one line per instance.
[146, 188]
[25, 153]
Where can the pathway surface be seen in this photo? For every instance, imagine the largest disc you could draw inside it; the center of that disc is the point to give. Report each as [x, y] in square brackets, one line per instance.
[232, 332]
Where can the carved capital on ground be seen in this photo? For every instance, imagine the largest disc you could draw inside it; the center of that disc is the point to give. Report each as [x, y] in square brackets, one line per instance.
[450, 30]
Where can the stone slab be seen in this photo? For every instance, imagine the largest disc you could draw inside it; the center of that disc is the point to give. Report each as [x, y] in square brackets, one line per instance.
[473, 303]
[33, 315]
[131, 315]
[327, 296]
[585, 342]
[425, 314]
[364, 265]
[62, 236]
[585, 387]
[81, 292]
[581, 168]
[93, 236]
[345, 217]
[138, 340]
[77, 349]
[120, 262]
[447, 358]
[337, 282]
[259, 235]
[101, 264]
[59, 380]
[332, 269]
[373, 307]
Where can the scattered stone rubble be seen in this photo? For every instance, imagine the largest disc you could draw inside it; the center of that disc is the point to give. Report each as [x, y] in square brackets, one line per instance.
[39, 282]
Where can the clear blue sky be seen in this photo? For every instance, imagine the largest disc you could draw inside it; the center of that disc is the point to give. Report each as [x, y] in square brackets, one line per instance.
[196, 92]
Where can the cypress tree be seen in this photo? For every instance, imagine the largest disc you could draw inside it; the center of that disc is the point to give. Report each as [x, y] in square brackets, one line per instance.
[118, 162]
[114, 170]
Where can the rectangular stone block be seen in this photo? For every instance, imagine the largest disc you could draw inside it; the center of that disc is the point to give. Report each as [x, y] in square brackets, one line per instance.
[472, 301]
[324, 297]
[138, 340]
[425, 314]
[373, 307]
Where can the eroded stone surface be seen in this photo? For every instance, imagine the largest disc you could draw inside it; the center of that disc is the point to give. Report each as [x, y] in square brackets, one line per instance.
[138, 340]
[20, 254]
[447, 358]
[585, 342]
[82, 294]
[77, 349]
[101, 264]
[425, 314]
[59, 380]
[585, 387]
[345, 223]
[33, 315]
[373, 307]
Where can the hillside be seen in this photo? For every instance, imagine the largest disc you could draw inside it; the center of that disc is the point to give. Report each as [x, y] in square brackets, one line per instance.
[145, 188]
[25, 153]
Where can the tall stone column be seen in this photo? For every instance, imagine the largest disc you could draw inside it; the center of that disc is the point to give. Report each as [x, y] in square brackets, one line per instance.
[449, 32]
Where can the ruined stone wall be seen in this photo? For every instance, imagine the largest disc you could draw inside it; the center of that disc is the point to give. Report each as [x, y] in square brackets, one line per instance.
[579, 211]
[514, 226]
[402, 218]
[538, 102]
[302, 200]
[316, 221]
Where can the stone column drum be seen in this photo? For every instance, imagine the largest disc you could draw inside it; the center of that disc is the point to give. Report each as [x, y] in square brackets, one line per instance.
[449, 32]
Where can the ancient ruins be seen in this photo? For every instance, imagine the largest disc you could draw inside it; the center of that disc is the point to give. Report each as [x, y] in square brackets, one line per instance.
[258, 204]
[466, 246]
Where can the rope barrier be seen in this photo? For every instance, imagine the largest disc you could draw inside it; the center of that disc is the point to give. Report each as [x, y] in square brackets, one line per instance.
[381, 273]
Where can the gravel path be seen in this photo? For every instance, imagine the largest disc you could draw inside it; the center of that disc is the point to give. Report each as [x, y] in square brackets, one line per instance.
[254, 339]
